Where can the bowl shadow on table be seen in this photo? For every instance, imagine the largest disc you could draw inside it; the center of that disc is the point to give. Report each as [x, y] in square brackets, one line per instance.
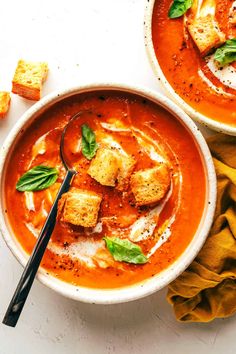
[151, 313]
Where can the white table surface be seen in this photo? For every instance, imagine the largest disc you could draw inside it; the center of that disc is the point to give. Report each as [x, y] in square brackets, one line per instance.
[86, 41]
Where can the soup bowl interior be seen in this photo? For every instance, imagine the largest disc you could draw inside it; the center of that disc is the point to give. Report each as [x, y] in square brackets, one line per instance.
[155, 283]
[169, 90]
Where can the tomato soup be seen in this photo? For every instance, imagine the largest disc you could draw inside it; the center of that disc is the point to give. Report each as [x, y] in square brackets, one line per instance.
[153, 215]
[206, 86]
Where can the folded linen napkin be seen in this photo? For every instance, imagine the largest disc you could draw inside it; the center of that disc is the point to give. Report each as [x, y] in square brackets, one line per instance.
[207, 289]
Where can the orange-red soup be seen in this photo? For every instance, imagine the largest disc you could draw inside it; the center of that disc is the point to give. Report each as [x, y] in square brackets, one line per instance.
[203, 86]
[143, 130]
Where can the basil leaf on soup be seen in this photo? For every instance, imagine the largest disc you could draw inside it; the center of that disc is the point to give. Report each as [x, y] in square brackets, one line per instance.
[125, 251]
[179, 7]
[37, 178]
[89, 145]
[227, 53]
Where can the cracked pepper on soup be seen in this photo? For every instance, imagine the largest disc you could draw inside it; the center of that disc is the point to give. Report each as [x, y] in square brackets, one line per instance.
[137, 198]
[195, 44]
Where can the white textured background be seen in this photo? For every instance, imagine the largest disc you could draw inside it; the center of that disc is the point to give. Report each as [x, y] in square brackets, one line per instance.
[85, 41]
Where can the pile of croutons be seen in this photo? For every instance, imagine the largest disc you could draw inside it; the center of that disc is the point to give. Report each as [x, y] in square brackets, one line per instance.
[27, 82]
[111, 168]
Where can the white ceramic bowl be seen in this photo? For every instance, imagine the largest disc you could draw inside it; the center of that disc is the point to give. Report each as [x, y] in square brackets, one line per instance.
[201, 118]
[148, 286]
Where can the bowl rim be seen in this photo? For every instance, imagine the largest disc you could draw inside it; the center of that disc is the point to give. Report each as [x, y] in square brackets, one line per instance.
[146, 287]
[194, 114]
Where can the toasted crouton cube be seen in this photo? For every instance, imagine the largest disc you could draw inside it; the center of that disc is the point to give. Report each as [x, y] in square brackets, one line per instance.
[110, 165]
[28, 79]
[79, 207]
[150, 185]
[5, 100]
[104, 167]
[206, 34]
[126, 167]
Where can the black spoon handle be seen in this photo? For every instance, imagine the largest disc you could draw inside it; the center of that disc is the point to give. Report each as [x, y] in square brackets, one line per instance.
[21, 293]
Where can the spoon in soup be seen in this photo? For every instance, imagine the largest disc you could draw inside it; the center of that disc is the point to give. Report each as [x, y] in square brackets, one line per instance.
[23, 288]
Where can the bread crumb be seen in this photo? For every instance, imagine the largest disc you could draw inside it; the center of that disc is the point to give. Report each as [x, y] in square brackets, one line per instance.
[5, 100]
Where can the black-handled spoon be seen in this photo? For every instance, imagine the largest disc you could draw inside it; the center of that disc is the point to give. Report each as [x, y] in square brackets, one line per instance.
[23, 288]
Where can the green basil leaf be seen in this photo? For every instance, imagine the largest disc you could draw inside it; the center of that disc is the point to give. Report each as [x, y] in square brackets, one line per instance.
[227, 53]
[37, 178]
[89, 145]
[125, 251]
[179, 7]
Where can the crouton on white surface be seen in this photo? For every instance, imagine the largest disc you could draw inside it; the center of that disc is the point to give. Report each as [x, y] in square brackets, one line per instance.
[79, 207]
[29, 78]
[150, 185]
[5, 100]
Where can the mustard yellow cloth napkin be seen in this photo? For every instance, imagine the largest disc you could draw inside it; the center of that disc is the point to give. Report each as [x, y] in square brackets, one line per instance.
[207, 289]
